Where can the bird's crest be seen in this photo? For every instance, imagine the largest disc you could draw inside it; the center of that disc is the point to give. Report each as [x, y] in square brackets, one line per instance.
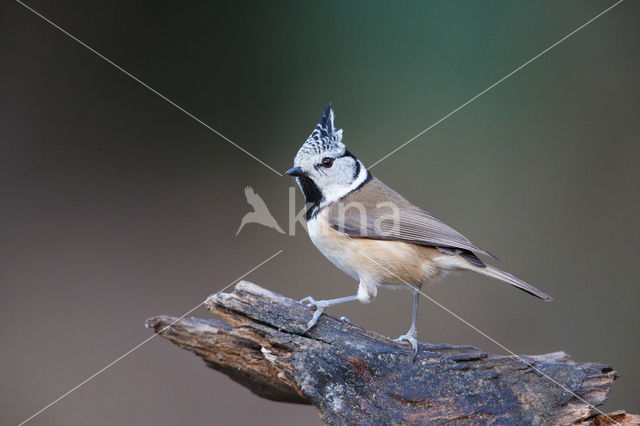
[324, 136]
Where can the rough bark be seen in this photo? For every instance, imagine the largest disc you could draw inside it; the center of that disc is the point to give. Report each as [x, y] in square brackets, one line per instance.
[353, 375]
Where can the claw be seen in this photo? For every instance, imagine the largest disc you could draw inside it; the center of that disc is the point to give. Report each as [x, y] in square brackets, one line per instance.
[321, 305]
[309, 301]
[411, 338]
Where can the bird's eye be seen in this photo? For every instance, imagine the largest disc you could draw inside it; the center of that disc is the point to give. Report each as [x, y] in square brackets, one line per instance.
[327, 162]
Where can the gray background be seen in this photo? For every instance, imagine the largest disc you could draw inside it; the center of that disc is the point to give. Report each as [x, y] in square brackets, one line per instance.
[117, 207]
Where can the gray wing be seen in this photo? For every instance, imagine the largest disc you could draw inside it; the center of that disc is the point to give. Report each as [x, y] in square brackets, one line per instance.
[362, 214]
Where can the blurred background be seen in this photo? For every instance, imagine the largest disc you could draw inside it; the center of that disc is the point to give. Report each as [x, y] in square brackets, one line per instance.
[115, 206]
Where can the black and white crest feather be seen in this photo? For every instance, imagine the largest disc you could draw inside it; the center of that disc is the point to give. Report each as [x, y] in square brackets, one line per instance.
[324, 137]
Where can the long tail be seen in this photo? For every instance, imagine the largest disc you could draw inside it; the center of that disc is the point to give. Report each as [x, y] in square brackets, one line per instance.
[496, 273]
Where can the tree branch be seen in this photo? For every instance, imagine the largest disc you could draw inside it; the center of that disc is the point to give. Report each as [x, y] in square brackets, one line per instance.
[353, 375]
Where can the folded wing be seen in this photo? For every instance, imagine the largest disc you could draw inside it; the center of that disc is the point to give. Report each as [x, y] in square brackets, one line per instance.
[361, 214]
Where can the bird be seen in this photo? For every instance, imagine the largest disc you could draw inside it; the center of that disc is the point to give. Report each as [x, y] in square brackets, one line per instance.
[260, 213]
[373, 233]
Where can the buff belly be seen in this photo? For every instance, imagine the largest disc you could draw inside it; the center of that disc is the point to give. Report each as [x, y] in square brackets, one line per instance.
[380, 262]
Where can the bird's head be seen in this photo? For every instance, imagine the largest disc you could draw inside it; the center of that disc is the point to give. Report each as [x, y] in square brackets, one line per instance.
[324, 168]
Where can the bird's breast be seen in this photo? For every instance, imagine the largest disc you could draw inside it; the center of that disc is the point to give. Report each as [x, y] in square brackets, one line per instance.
[332, 244]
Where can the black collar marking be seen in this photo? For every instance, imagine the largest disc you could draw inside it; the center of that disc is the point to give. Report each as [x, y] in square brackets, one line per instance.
[315, 208]
[312, 195]
[357, 170]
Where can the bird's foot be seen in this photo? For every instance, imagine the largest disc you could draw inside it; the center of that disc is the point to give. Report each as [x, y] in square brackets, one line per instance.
[410, 337]
[320, 306]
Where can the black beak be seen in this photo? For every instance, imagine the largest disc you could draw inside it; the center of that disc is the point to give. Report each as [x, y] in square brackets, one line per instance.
[296, 171]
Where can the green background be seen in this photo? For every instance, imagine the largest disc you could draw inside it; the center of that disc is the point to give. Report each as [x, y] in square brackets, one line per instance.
[117, 207]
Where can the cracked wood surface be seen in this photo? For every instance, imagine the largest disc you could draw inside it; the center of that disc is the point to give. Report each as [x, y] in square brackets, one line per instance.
[354, 375]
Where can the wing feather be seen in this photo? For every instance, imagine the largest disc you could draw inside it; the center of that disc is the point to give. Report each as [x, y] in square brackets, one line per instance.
[361, 214]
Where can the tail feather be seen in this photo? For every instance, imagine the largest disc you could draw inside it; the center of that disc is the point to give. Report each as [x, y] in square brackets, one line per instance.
[496, 273]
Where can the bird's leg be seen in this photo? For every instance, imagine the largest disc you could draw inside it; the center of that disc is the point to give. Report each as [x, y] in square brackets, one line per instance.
[321, 305]
[412, 334]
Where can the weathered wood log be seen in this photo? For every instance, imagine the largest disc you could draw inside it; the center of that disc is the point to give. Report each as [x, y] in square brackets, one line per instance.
[353, 375]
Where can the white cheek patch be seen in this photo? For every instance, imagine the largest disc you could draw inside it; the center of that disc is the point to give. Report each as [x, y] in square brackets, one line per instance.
[336, 192]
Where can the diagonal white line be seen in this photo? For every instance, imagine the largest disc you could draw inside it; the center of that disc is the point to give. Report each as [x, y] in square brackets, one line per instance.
[127, 73]
[496, 83]
[493, 340]
[94, 375]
